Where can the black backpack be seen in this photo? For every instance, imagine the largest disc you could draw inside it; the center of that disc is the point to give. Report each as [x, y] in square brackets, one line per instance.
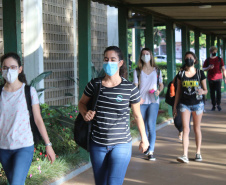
[34, 128]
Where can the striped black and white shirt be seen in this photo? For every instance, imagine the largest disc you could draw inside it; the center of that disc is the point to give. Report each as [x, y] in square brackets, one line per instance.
[111, 125]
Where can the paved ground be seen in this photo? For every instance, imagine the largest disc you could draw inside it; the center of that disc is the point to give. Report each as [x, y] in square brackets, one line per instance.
[166, 170]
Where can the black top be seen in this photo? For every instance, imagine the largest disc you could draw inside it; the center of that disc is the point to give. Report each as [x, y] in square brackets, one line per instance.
[189, 86]
[112, 112]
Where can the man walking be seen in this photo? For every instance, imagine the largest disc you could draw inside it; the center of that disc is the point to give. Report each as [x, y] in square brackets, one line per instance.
[215, 67]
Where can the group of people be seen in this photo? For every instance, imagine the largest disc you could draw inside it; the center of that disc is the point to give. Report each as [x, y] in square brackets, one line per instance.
[111, 141]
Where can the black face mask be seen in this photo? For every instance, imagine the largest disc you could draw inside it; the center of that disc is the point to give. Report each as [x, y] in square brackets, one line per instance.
[214, 54]
[189, 62]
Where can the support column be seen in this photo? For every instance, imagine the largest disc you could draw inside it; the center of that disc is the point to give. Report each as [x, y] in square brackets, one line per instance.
[12, 26]
[212, 40]
[189, 40]
[122, 32]
[137, 42]
[185, 41]
[197, 35]
[208, 44]
[208, 55]
[33, 41]
[171, 68]
[84, 43]
[149, 33]
[218, 46]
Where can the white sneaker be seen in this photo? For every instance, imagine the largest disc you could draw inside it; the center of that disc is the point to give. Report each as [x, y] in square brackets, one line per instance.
[183, 159]
[198, 157]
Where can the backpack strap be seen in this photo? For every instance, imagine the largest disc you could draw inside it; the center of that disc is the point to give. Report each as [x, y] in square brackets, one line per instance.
[1, 87]
[35, 131]
[158, 73]
[138, 75]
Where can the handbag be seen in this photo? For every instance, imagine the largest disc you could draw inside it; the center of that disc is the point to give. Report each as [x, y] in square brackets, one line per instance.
[82, 128]
[169, 100]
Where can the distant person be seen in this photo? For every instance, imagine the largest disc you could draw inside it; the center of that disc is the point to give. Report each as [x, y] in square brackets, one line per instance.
[149, 80]
[191, 85]
[215, 67]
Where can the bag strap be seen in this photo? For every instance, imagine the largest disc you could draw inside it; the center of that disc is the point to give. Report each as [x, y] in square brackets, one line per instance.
[1, 87]
[97, 87]
[138, 75]
[158, 73]
[28, 98]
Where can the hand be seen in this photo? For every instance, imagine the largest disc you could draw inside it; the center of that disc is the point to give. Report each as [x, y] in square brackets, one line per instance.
[141, 101]
[89, 115]
[50, 154]
[200, 91]
[157, 93]
[174, 112]
[144, 145]
[211, 66]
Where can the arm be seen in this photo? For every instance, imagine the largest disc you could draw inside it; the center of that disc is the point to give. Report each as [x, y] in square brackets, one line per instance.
[140, 124]
[161, 87]
[224, 73]
[177, 97]
[87, 115]
[203, 90]
[135, 80]
[42, 129]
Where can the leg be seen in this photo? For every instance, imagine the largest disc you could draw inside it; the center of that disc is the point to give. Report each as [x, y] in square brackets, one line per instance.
[178, 121]
[98, 156]
[218, 89]
[212, 92]
[143, 110]
[21, 164]
[6, 161]
[197, 117]
[118, 161]
[152, 114]
[185, 115]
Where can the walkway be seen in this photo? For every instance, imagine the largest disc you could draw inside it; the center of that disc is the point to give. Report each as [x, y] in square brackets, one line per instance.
[166, 170]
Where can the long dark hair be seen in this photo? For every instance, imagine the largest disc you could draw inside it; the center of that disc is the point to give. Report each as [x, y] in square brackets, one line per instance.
[16, 57]
[141, 62]
[123, 68]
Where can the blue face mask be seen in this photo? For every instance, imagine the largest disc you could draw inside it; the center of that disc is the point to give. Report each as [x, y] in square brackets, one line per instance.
[110, 68]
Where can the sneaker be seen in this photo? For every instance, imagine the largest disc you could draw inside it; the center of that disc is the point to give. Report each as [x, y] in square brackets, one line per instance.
[183, 159]
[213, 108]
[219, 108]
[151, 157]
[198, 157]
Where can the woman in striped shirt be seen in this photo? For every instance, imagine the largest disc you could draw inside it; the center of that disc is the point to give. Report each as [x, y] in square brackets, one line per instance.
[111, 141]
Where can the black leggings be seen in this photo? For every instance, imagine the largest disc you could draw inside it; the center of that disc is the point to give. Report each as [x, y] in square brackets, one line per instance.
[215, 85]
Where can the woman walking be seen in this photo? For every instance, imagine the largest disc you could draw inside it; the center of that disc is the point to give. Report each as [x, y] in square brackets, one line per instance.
[149, 80]
[191, 85]
[16, 138]
[111, 142]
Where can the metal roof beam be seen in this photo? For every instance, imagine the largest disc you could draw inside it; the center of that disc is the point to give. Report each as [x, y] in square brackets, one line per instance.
[174, 4]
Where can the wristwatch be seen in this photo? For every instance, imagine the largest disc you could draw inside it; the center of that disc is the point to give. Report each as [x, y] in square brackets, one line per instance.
[48, 144]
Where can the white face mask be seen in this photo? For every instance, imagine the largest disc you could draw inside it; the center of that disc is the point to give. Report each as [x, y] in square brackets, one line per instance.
[146, 58]
[10, 75]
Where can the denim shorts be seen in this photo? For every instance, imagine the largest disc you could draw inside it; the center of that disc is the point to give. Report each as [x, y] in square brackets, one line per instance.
[198, 108]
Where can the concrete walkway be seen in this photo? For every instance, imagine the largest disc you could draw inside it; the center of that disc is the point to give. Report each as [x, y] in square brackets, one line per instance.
[166, 170]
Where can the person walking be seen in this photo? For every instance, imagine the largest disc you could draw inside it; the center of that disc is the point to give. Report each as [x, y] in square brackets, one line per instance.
[16, 138]
[111, 141]
[149, 80]
[215, 67]
[191, 85]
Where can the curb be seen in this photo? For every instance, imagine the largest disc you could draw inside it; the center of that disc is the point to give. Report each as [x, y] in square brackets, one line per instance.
[89, 165]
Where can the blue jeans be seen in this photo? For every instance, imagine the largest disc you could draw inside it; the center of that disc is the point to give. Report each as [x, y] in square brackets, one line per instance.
[16, 164]
[149, 113]
[110, 162]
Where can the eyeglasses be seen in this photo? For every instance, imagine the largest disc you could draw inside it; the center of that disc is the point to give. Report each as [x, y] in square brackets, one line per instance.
[10, 67]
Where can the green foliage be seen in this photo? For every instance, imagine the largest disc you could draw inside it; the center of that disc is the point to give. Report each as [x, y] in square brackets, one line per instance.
[39, 78]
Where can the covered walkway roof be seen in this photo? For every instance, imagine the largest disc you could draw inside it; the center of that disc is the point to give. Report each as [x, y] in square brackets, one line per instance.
[208, 16]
